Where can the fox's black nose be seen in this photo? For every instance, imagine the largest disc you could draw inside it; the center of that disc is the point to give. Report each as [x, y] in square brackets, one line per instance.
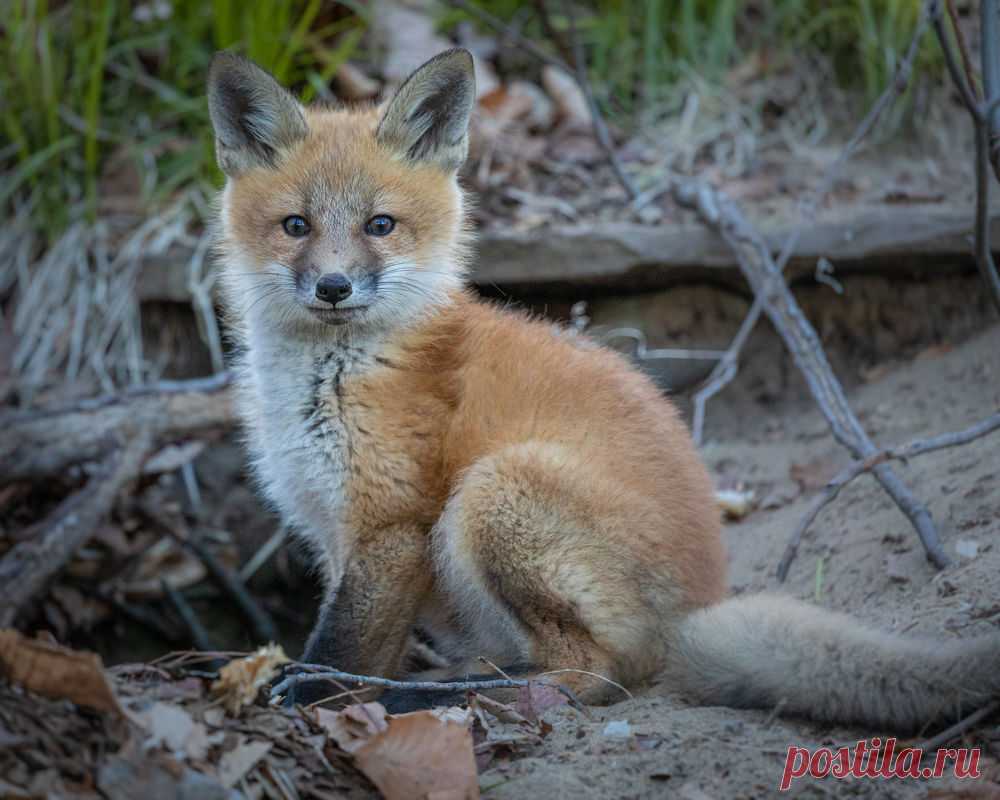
[333, 288]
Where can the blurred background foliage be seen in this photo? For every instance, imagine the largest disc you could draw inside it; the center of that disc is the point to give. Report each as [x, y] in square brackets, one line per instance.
[88, 86]
[90, 80]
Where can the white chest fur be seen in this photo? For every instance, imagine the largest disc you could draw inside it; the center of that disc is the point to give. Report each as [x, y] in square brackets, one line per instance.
[299, 435]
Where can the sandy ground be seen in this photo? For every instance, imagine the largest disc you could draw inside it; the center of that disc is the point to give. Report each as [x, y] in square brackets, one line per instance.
[860, 556]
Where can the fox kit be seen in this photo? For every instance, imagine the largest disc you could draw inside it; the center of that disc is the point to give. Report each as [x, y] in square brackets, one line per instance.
[452, 463]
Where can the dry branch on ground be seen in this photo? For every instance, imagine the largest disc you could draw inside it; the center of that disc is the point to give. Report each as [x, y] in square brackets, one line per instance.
[42, 444]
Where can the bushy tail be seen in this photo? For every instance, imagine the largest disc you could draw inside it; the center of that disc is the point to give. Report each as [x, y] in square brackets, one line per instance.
[765, 651]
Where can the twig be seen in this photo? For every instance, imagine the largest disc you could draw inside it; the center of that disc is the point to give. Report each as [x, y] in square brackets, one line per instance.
[27, 568]
[263, 627]
[261, 557]
[900, 453]
[40, 444]
[727, 367]
[768, 284]
[596, 118]
[989, 31]
[317, 672]
[964, 88]
[199, 636]
[515, 36]
[959, 727]
[644, 353]
[142, 615]
[260, 621]
[986, 126]
[578, 71]
[963, 46]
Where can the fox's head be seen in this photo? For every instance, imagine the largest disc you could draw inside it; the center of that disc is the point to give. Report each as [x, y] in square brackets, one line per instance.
[341, 216]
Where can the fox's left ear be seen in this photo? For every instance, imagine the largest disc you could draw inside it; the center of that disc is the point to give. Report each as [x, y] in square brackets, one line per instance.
[427, 119]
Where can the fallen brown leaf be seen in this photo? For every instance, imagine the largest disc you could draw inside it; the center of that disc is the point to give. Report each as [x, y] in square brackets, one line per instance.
[354, 725]
[167, 562]
[242, 678]
[426, 754]
[55, 671]
[421, 756]
[536, 698]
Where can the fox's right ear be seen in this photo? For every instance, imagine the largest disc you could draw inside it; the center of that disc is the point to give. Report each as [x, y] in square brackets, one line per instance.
[254, 116]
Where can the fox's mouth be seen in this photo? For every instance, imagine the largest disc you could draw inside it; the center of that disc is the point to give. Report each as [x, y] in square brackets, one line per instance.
[336, 316]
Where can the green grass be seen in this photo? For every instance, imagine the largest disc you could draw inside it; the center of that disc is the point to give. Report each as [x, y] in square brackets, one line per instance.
[639, 49]
[88, 84]
[88, 81]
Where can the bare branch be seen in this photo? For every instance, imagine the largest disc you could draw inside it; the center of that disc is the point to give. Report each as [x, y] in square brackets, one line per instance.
[724, 371]
[989, 31]
[986, 127]
[963, 47]
[984, 250]
[40, 444]
[318, 672]
[960, 727]
[951, 62]
[177, 601]
[759, 268]
[900, 453]
[511, 34]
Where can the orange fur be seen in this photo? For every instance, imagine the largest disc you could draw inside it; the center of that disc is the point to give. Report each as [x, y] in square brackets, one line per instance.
[451, 461]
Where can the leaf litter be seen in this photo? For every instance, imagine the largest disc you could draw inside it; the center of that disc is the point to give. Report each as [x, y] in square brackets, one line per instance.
[170, 730]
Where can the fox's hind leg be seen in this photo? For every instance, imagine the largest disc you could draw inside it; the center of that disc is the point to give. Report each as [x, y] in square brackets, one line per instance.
[536, 550]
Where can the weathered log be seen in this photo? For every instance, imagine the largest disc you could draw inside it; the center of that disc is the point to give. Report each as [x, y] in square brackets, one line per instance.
[39, 444]
[894, 239]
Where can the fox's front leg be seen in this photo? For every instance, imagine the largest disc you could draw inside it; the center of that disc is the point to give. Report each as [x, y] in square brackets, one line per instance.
[365, 621]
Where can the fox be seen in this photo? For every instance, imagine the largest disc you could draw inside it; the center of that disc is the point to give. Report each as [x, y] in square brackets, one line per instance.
[456, 466]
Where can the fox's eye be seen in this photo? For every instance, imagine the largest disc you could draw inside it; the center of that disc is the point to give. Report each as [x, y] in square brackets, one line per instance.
[295, 225]
[380, 225]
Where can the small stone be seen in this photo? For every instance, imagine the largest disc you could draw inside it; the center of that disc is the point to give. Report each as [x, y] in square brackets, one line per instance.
[617, 729]
[967, 548]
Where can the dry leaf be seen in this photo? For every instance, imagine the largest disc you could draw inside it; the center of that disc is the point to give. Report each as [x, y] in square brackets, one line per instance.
[172, 457]
[164, 561]
[574, 113]
[354, 726]
[172, 728]
[426, 754]
[735, 503]
[502, 711]
[421, 756]
[242, 678]
[536, 698]
[55, 671]
[131, 774]
[236, 763]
